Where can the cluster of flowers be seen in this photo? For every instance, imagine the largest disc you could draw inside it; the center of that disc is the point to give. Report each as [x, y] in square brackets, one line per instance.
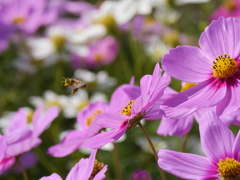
[210, 75]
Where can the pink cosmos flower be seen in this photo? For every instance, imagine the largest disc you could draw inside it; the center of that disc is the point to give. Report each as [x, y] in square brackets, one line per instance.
[20, 138]
[143, 105]
[230, 8]
[101, 52]
[219, 144]
[88, 168]
[74, 139]
[214, 66]
[27, 15]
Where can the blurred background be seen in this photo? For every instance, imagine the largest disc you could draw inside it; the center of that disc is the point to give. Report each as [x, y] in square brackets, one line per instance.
[104, 44]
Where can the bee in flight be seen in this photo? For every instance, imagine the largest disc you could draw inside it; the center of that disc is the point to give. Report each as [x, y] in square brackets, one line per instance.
[75, 84]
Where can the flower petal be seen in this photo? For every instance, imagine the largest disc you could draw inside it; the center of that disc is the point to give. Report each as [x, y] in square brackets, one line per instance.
[236, 147]
[53, 176]
[100, 175]
[41, 123]
[122, 95]
[221, 37]
[179, 127]
[216, 139]
[230, 103]
[209, 93]
[188, 64]
[69, 144]
[186, 165]
[101, 139]
[111, 120]
[83, 169]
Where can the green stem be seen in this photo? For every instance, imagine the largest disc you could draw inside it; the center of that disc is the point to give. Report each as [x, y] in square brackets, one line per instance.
[119, 174]
[153, 149]
[46, 162]
[24, 173]
[185, 142]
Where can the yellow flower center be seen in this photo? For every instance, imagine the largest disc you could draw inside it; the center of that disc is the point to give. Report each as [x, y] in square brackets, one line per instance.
[30, 117]
[224, 66]
[107, 20]
[98, 57]
[96, 169]
[82, 105]
[127, 109]
[229, 169]
[58, 41]
[92, 117]
[18, 20]
[187, 86]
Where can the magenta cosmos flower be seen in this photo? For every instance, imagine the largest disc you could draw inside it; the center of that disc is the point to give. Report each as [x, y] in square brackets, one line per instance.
[230, 8]
[101, 52]
[214, 67]
[219, 144]
[138, 105]
[88, 168]
[20, 138]
[74, 139]
[27, 15]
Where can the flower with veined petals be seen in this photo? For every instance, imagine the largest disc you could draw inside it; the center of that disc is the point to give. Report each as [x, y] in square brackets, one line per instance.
[219, 144]
[88, 168]
[20, 138]
[214, 66]
[145, 105]
[74, 138]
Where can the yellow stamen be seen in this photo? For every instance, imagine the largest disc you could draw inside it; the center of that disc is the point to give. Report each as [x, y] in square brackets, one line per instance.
[187, 86]
[229, 169]
[92, 117]
[107, 20]
[224, 66]
[127, 109]
[18, 20]
[58, 41]
[96, 169]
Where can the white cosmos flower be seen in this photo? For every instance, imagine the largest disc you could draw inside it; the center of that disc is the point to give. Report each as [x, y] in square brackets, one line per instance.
[100, 79]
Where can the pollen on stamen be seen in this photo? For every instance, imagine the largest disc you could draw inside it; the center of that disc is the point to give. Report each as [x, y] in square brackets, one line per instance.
[127, 109]
[229, 168]
[224, 66]
[96, 169]
[92, 117]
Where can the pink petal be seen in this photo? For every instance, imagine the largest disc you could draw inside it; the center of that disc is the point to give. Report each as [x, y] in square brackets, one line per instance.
[188, 64]
[101, 139]
[69, 144]
[221, 37]
[216, 139]
[19, 120]
[6, 163]
[122, 95]
[230, 103]
[209, 93]
[101, 174]
[111, 120]
[53, 176]
[186, 165]
[140, 104]
[23, 146]
[179, 127]
[18, 135]
[83, 169]
[3, 145]
[42, 123]
[236, 147]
